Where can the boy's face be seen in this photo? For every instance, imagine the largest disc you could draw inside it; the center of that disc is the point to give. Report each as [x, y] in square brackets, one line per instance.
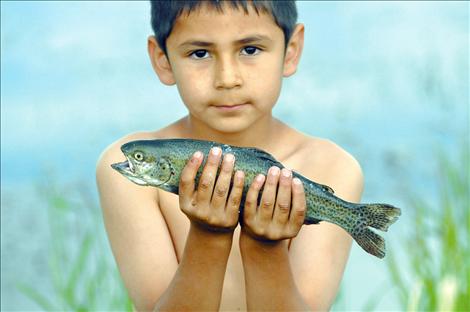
[228, 66]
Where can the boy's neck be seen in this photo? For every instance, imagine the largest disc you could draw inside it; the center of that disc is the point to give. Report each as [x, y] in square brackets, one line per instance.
[262, 134]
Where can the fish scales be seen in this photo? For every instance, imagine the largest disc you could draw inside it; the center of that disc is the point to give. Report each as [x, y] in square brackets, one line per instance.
[159, 163]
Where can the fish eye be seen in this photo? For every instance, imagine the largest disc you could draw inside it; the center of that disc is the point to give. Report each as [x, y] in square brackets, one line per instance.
[138, 156]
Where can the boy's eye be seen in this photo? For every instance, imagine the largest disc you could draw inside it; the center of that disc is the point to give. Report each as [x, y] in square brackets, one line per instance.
[250, 50]
[199, 54]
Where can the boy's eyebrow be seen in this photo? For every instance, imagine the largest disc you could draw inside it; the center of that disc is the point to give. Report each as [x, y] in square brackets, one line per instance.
[254, 38]
[249, 39]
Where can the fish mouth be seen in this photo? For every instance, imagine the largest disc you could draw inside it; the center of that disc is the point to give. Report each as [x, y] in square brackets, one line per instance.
[126, 168]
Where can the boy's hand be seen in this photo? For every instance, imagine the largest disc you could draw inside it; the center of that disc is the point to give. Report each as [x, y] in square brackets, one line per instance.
[208, 207]
[278, 216]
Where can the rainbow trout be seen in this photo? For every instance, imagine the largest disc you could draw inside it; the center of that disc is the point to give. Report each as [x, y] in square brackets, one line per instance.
[159, 163]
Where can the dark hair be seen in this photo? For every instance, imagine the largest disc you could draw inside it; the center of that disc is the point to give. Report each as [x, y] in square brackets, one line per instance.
[165, 12]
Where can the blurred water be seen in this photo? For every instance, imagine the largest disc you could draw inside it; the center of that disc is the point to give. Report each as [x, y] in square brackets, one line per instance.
[386, 80]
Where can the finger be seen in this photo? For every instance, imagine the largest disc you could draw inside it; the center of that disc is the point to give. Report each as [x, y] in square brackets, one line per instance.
[299, 205]
[188, 174]
[283, 199]
[219, 197]
[207, 179]
[268, 198]
[235, 197]
[251, 200]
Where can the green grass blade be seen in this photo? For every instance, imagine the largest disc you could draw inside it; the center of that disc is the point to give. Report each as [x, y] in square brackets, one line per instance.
[42, 301]
[373, 301]
[78, 269]
[396, 276]
[437, 246]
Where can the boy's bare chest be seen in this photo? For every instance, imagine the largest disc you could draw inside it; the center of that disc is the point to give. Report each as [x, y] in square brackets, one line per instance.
[233, 295]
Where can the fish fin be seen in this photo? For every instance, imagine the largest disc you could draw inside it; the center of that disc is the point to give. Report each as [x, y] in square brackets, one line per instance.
[266, 156]
[370, 242]
[309, 220]
[326, 188]
[170, 188]
[379, 216]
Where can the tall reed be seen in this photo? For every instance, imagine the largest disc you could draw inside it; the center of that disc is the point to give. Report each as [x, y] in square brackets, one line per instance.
[81, 270]
[435, 272]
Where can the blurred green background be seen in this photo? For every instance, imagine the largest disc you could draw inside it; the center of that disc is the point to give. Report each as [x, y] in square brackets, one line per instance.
[386, 80]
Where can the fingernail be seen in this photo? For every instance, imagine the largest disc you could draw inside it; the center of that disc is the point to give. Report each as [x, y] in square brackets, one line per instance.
[260, 178]
[196, 157]
[216, 151]
[229, 158]
[297, 181]
[286, 173]
[274, 171]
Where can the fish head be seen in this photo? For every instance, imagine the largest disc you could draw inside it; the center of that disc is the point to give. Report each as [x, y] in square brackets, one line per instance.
[144, 166]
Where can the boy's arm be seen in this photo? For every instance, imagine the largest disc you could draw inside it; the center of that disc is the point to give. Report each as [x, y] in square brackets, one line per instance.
[137, 231]
[143, 247]
[308, 274]
[318, 255]
[269, 280]
[197, 285]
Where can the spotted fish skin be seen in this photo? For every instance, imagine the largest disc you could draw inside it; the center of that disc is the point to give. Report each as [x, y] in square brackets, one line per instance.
[159, 163]
[356, 219]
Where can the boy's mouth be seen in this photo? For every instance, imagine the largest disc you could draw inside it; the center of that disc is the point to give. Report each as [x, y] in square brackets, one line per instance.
[230, 107]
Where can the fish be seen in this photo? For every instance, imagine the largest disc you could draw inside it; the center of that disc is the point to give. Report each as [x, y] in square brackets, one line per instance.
[159, 163]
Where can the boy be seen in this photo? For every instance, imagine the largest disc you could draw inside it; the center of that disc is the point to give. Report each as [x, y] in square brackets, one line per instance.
[189, 252]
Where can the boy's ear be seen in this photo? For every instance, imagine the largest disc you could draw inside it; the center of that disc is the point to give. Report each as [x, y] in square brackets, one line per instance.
[294, 51]
[160, 62]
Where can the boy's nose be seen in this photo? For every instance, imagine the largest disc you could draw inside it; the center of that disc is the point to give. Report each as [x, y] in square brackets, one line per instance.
[227, 74]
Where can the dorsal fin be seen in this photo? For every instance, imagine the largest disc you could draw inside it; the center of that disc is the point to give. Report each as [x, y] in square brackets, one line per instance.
[270, 158]
[265, 156]
[326, 188]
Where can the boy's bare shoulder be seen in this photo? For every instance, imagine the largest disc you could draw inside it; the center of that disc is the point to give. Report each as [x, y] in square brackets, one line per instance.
[326, 153]
[109, 181]
[326, 162]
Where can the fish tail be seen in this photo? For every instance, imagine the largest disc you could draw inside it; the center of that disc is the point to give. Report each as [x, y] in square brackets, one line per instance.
[379, 216]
